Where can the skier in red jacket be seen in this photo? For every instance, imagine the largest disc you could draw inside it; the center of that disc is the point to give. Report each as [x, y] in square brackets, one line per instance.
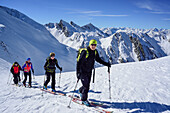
[15, 70]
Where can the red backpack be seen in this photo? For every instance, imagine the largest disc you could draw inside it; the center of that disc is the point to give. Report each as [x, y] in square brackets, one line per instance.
[16, 69]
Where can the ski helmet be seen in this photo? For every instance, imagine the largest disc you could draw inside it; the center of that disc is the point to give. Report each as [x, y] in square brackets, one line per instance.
[93, 41]
[28, 59]
[52, 54]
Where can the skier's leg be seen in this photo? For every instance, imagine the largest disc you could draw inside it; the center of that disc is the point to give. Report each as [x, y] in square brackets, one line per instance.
[85, 88]
[30, 78]
[25, 79]
[53, 81]
[48, 79]
[19, 76]
[15, 79]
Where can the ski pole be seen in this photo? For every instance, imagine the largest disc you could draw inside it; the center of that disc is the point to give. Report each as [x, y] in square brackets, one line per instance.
[22, 74]
[73, 94]
[109, 83]
[59, 80]
[8, 78]
[10, 81]
[43, 85]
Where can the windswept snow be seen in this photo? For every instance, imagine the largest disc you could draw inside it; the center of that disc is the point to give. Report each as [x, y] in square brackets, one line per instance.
[135, 87]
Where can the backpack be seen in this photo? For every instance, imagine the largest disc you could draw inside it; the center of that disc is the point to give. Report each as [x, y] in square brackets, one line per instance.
[87, 53]
[50, 68]
[16, 69]
[27, 67]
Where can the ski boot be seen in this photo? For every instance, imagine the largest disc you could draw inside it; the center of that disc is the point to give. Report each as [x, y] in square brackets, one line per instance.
[53, 90]
[24, 84]
[87, 103]
[30, 86]
[45, 87]
[80, 93]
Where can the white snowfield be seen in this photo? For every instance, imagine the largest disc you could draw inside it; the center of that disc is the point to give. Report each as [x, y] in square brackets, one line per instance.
[135, 87]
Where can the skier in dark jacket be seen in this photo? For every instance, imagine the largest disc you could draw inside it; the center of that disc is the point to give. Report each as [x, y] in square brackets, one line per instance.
[49, 66]
[15, 70]
[27, 67]
[85, 63]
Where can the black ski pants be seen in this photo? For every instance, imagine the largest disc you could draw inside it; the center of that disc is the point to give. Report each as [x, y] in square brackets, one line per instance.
[48, 79]
[16, 78]
[25, 75]
[85, 80]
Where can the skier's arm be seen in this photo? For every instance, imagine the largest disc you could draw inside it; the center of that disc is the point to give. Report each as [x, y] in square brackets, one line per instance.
[81, 60]
[23, 66]
[32, 68]
[45, 65]
[56, 63]
[98, 59]
[12, 70]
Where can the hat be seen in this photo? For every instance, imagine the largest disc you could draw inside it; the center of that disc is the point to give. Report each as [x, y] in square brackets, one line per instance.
[15, 62]
[93, 41]
[28, 59]
[52, 54]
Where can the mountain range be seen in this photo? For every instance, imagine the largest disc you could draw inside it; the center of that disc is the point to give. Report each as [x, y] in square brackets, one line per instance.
[22, 37]
[120, 44]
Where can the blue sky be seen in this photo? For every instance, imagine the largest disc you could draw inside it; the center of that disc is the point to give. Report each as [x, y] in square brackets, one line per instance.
[142, 14]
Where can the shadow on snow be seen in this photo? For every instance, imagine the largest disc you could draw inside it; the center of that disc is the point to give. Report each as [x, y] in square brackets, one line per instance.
[139, 106]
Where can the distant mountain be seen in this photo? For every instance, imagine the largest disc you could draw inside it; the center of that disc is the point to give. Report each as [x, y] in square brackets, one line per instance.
[22, 37]
[121, 44]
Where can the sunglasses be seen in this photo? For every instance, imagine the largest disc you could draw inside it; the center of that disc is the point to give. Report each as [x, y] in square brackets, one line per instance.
[93, 44]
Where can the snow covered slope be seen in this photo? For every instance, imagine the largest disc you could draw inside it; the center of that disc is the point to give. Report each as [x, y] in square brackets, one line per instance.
[135, 87]
[22, 37]
[121, 44]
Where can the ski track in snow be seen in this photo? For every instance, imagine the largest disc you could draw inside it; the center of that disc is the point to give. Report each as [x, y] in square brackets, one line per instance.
[135, 87]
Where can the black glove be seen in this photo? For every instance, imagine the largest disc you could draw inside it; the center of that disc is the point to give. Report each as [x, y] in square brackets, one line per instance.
[108, 64]
[78, 75]
[60, 69]
[33, 71]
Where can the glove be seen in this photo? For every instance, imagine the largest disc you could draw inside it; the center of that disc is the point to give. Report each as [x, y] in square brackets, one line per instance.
[78, 75]
[60, 69]
[108, 64]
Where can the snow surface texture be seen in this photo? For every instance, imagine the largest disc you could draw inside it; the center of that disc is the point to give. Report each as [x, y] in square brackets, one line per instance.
[21, 37]
[135, 87]
[121, 44]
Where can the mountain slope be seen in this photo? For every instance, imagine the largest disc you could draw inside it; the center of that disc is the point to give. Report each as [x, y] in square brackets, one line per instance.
[21, 37]
[135, 87]
[121, 44]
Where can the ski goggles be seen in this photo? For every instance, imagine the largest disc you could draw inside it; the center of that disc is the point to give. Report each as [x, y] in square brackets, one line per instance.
[94, 44]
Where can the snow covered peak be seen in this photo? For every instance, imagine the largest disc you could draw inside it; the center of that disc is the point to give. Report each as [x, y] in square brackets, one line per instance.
[50, 25]
[90, 27]
[22, 17]
[77, 27]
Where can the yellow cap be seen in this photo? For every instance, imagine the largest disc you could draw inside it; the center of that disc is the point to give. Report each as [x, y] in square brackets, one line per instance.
[93, 41]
